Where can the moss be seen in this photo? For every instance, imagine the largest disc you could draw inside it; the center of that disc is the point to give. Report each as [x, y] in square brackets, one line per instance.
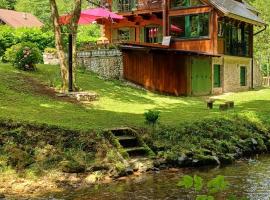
[209, 141]
[72, 167]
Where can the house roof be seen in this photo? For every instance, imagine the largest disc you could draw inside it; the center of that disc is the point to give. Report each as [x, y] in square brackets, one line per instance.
[242, 11]
[19, 19]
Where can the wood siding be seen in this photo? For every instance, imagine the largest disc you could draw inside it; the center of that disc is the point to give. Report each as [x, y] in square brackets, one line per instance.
[157, 71]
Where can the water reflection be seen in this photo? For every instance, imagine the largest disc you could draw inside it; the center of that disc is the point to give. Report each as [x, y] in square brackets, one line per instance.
[250, 178]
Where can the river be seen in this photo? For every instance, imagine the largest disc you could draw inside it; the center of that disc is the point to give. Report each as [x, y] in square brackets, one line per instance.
[249, 178]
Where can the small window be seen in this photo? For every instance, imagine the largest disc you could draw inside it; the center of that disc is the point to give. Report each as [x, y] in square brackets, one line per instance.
[243, 76]
[151, 34]
[217, 76]
[123, 34]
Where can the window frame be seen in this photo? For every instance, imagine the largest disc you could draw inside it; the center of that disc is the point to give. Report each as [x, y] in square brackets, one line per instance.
[189, 37]
[243, 83]
[219, 84]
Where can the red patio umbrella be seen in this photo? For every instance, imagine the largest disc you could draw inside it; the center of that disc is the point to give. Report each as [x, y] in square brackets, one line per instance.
[90, 15]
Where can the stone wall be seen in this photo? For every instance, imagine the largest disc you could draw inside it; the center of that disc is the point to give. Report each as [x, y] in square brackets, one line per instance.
[106, 63]
[258, 76]
[232, 66]
[50, 59]
[230, 74]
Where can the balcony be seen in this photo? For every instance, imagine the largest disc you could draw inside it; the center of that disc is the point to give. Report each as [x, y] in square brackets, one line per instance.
[150, 5]
[136, 5]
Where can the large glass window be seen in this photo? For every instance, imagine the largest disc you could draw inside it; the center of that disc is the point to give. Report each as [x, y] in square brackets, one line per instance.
[190, 26]
[185, 3]
[236, 38]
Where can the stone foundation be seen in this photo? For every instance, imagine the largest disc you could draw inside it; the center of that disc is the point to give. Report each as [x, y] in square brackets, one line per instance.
[106, 63]
[230, 74]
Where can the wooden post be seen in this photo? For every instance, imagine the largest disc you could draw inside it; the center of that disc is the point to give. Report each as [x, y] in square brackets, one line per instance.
[70, 78]
[164, 17]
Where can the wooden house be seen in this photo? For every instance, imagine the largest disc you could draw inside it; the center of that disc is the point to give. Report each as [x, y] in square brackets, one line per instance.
[211, 47]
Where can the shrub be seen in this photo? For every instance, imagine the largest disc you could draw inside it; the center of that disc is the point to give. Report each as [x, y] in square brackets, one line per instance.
[10, 37]
[10, 54]
[27, 57]
[151, 116]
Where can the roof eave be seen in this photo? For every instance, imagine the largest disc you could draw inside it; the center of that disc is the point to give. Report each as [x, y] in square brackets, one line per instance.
[256, 23]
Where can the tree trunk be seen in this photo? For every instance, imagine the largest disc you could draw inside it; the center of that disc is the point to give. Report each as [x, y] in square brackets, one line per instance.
[74, 28]
[59, 44]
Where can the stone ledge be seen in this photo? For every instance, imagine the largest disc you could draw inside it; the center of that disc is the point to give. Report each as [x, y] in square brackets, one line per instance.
[81, 96]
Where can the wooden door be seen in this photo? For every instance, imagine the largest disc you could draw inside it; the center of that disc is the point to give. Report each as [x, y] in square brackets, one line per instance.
[201, 76]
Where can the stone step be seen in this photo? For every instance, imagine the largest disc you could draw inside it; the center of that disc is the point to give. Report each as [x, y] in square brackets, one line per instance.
[136, 151]
[121, 132]
[128, 141]
[126, 137]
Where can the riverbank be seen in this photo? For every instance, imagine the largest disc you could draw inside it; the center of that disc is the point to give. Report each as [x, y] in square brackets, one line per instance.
[39, 159]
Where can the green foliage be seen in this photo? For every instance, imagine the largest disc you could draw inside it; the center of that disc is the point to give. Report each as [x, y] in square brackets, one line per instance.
[10, 37]
[41, 8]
[211, 142]
[217, 185]
[7, 4]
[50, 50]
[43, 147]
[186, 182]
[10, 54]
[151, 116]
[27, 57]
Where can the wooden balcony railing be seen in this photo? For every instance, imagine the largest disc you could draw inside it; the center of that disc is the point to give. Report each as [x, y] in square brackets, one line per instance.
[149, 5]
[135, 5]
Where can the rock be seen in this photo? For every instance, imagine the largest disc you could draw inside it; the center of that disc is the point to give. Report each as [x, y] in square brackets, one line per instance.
[226, 159]
[91, 179]
[155, 169]
[129, 171]
[125, 172]
[159, 162]
[72, 167]
[2, 196]
[98, 167]
[254, 142]
[203, 160]
[163, 166]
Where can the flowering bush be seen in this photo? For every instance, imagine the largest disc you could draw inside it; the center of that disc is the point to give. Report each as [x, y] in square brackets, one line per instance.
[27, 57]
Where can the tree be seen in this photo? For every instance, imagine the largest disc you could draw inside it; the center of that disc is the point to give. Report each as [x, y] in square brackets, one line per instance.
[59, 44]
[73, 27]
[8, 4]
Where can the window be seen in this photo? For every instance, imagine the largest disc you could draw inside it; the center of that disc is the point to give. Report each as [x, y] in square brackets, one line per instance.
[185, 3]
[190, 26]
[124, 34]
[151, 34]
[243, 76]
[237, 38]
[217, 76]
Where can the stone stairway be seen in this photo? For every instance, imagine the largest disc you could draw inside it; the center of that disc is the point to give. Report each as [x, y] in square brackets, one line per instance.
[129, 141]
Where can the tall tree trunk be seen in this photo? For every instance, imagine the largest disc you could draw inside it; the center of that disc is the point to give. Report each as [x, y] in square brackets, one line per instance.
[59, 44]
[74, 29]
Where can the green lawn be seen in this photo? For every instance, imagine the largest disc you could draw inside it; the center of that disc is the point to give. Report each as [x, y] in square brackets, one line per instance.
[119, 105]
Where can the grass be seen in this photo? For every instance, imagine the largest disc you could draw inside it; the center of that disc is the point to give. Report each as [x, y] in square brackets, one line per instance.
[119, 105]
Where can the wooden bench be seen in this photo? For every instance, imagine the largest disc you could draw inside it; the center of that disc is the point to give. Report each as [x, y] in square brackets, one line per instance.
[230, 104]
[210, 103]
[223, 107]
